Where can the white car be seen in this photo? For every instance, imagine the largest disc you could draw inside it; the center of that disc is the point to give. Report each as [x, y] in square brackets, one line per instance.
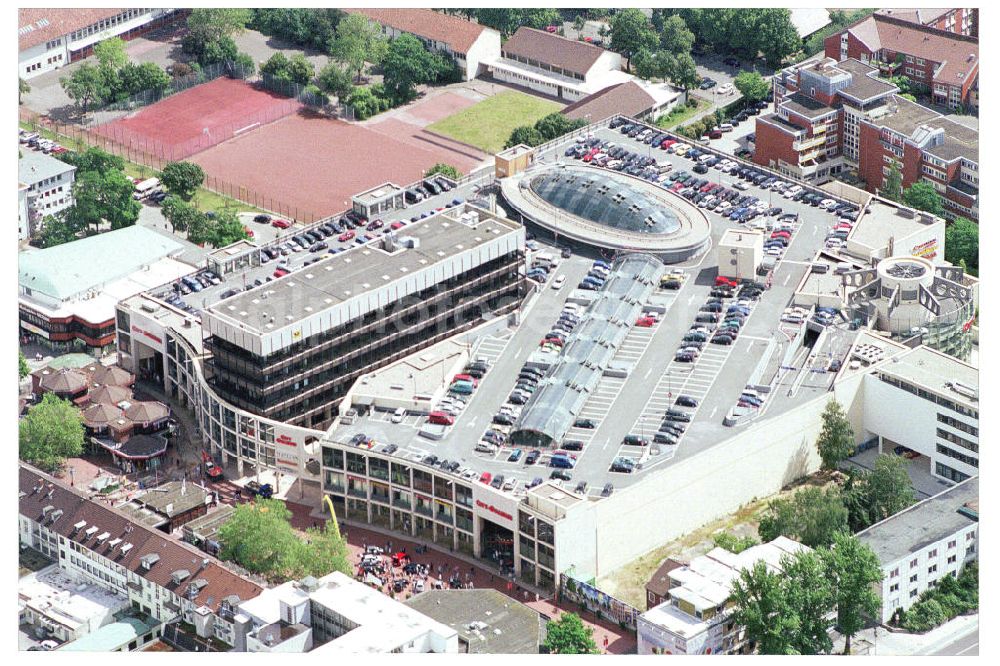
[397, 416]
[725, 89]
[724, 207]
[559, 282]
[773, 251]
[741, 185]
[791, 191]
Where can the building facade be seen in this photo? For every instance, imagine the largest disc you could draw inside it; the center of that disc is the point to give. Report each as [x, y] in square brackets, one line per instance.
[159, 576]
[945, 64]
[52, 38]
[49, 184]
[24, 221]
[935, 412]
[920, 545]
[470, 44]
[960, 20]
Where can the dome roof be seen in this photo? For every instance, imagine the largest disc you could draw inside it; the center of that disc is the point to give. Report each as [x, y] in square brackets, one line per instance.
[610, 200]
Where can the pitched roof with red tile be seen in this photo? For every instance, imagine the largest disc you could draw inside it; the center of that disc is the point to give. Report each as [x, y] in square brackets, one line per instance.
[628, 99]
[457, 33]
[39, 491]
[567, 54]
[38, 25]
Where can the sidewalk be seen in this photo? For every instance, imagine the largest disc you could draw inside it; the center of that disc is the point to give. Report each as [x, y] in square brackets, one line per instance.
[888, 643]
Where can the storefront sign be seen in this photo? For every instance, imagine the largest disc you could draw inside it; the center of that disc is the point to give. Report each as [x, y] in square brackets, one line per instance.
[154, 338]
[492, 509]
[34, 329]
[286, 440]
[926, 250]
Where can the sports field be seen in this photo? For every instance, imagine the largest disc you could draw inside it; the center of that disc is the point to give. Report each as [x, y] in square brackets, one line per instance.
[488, 124]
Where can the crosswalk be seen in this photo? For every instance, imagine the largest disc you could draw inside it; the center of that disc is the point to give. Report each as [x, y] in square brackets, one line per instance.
[491, 347]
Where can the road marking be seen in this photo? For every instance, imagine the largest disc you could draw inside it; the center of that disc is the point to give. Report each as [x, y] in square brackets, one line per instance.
[974, 645]
[787, 278]
[714, 410]
[472, 423]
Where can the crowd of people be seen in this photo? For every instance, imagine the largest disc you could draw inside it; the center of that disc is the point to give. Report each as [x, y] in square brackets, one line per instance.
[398, 573]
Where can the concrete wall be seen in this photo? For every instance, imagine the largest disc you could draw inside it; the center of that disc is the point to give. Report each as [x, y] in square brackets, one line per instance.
[485, 49]
[682, 497]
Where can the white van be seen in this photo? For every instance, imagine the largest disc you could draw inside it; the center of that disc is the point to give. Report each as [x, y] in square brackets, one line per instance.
[144, 188]
[726, 127]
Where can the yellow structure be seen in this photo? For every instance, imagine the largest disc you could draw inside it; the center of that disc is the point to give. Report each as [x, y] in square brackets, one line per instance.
[514, 160]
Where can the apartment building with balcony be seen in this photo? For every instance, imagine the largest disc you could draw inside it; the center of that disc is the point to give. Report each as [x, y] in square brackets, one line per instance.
[925, 146]
[813, 133]
[959, 20]
[945, 64]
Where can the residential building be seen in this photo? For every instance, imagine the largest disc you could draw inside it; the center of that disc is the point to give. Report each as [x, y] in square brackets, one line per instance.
[636, 99]
[339, 615]
[470, 44]
[553, 65]
[658, 587]
[813, 133]
[695, 618]
[292, 356]
[49, 182]
[926, 147]
[158, 575]
[935, 413]
[961, 20]
[487, 621]
[67, 299]
[945, 64]
[50, 38]
[923, 543]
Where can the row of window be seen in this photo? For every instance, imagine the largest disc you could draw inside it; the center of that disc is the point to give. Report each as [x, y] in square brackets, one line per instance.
[961, 457]
[927, 395]
[959, 425]
[104, 24]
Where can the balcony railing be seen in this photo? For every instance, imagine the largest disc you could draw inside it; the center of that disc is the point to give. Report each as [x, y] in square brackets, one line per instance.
[811, 142]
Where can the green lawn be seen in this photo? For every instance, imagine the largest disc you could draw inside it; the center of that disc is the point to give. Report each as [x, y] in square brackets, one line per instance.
[681, 113]
[488, 124]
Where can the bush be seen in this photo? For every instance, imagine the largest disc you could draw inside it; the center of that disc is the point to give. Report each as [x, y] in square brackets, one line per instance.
[733, 543]
[367, 103]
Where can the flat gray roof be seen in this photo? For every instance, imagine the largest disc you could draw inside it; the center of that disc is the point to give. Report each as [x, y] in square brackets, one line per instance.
[34, 166]
[882, 222]
[378, 193]
[511, 627]
[805, 106]
[924, 523]
[336, 278]
[906, 116]
[174, 497]
[932, 369]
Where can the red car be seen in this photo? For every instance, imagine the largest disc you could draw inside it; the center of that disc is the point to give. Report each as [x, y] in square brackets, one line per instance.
[667, 143]
[781, 234]
[645, 322]
[723, 281]
[249, 231]
[551, 28]
[346, 236]
[281, 272]
[397, 225]
[374, 224]
[486, 478]
[280, 224]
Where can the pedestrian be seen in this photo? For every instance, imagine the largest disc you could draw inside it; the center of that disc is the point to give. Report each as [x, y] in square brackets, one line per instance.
[606, 642]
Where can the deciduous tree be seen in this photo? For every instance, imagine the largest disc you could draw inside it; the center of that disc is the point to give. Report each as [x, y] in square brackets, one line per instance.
[23, 370]
[335, 80]
[525, 134]
[568, 635]
[183, 216]
[84, 86]
[961, 243]
[110, 53]
[853, 569]
[445, 170]
[836, 439]
[761, 607]
[922, 196]
[752, 86]
[809, 597]
[182, 178]
[631, 32]
[359, 41]
[893, 186]
[51, 432]
[408, 64]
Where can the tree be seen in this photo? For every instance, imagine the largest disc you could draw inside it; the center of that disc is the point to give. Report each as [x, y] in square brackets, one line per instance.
[300, 70]
[446, 170]
[733, 543]
[226, 229]
[568, 635]
[893, 185]
[182, 216]
[110, 54]
[809, 597]
[222, 50]
[258, 536]
[134, 78]
[761, 607]
[57, 229]
[211, 31]
[836, 439]
[408, 64]
[51, 432]
[889, 487]
[556, 124]
[23, 88]
[508, 20]
[358, 41]
[853, 569]
[335, 80]
[811, 516]
[675, 37]
[94, 159]
[961, 243]
[630, 33]
[525, 134]
[682, 71]
[922, 196]
[23, 369]
[182, 179]
[103, 196]
[752, 86]
[84, 86]
[366, 103]
[775, 35]
[323, 551]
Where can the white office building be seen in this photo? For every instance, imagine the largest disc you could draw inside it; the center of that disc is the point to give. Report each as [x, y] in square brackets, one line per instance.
[695, 618]
[920, 545]
[23, 212]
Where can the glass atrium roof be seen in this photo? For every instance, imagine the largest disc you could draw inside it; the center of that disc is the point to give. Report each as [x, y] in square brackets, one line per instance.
[606, 199]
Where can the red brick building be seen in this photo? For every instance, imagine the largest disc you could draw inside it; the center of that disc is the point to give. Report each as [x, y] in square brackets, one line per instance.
[944, 63]
[961, 21]
[926, 146]
[834, 116]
